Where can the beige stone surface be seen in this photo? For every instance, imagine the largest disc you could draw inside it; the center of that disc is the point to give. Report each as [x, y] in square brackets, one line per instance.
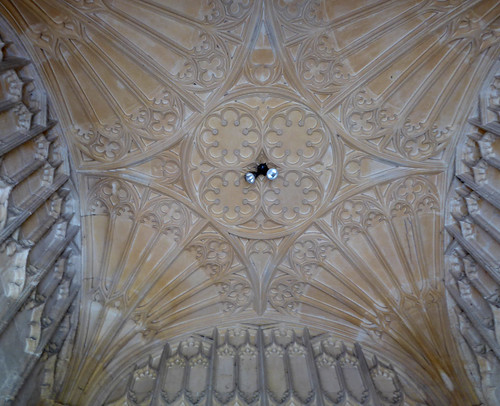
[166, 104]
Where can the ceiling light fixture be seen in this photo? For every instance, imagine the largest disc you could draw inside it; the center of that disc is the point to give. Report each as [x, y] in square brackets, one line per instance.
[262, 169]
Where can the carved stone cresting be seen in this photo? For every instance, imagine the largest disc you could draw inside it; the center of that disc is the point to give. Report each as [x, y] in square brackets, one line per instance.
[273, 364]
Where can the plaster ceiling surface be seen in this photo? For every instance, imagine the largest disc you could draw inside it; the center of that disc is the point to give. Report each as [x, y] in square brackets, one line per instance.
[166, 104]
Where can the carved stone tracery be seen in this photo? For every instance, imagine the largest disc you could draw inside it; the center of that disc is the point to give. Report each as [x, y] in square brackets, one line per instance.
[290, 137]
[166, 104]
[252, 365]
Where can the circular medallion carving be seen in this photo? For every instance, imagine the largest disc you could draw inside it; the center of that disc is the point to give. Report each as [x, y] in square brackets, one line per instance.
[235, 137]
[229, 137]
[295, 136]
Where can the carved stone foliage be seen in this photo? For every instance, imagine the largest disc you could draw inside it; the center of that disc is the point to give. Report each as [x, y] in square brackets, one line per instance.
[288, 136]
[472, 260]
[39, 251]
[262, 365]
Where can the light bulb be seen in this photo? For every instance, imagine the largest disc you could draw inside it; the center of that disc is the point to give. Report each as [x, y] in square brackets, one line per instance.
[250, 177]
[272, 174]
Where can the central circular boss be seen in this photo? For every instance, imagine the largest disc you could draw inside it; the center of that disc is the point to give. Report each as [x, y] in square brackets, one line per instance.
[231, 141]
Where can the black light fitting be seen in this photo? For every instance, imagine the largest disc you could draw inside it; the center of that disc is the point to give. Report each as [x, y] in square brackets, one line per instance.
[262, 169]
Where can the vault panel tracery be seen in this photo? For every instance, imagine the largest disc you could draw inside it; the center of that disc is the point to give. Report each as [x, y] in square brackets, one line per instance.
[167, 104]
[286, 135]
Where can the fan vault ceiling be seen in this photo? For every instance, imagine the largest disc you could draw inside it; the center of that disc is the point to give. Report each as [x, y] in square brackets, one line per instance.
[166, 104]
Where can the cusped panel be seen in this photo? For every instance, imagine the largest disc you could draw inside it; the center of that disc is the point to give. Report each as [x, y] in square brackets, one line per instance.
[240, 134]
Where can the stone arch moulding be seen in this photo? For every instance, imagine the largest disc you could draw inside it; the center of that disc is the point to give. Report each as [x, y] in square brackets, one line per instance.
[39, 235]
[472, 257]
